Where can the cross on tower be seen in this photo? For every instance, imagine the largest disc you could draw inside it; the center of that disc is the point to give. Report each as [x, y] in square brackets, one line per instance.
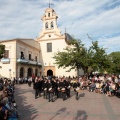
[50, 4]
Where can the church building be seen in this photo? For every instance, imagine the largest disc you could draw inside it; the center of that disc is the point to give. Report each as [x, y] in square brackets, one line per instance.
[28, 57]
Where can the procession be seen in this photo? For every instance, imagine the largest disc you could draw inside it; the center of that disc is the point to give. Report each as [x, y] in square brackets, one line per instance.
[52, 88]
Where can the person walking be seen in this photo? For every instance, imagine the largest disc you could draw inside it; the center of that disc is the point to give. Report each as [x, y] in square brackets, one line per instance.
[76, 86]
[36, 88]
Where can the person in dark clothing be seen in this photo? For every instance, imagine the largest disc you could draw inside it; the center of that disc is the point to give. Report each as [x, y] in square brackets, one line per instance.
[50, 91]
[63, 89]
[36, 87]
[40, 84]
[58, 90]
[3, 113]
[44, 87]
[68, 86]
[76, 86]
[55, 86]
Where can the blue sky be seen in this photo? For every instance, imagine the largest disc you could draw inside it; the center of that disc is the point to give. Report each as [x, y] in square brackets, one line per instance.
[100, 19]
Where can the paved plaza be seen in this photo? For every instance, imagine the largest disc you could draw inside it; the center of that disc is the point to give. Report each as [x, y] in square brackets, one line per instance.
[90, 106]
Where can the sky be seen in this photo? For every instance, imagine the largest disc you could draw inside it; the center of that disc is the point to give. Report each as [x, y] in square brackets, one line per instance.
[100, 19]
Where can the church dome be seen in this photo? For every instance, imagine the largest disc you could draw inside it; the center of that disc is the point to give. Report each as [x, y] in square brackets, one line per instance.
[49, 10]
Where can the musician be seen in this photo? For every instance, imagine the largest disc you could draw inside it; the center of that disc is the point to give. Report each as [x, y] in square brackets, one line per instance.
[36, 87]
[58, 89]
[76, 86]
[44, 87]
[63, 89]
[40, 84]
[50, 91]
[68, 86]
[55, 87]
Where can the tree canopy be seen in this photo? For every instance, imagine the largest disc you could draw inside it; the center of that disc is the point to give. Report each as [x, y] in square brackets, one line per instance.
[115, 62]
[2, 50]
[78, 56]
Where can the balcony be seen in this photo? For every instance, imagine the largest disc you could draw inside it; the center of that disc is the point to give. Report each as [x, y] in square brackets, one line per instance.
[33, 62]
[28, 62]
[5, 60]
[39, 64]
[22, 61]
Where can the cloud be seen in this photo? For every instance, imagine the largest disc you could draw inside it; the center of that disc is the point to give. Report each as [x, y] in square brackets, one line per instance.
[99, 19]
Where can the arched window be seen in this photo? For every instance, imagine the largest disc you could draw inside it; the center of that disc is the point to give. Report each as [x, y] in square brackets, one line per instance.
[46, 25]
[48, 14]
[52, 25]
[22, 55]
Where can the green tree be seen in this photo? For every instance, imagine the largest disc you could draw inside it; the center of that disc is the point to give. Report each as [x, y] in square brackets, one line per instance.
[72, 56]
[78, 56]
[2, 50]
[100, 60]
[115, 62]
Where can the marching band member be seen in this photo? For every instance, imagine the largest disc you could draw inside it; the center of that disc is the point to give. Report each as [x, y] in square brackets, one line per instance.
[50, 91]
[44, 87]
[68, 86]
[63, 89]
[36, 87]
[76, 86]
[58, 91]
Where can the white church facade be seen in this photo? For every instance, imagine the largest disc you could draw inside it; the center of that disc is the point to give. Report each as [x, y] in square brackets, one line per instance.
[27, 57]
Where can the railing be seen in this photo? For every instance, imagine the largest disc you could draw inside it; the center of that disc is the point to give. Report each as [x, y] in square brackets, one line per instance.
[29, 62]
[5, 60]
[22, 61]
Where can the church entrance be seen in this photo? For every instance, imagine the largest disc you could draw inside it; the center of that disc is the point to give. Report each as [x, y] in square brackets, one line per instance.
[29, 73]
[49, 73]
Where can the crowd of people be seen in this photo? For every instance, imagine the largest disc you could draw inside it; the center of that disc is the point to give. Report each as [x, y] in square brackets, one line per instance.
[61, 87]
[53, 88]
[8, 107]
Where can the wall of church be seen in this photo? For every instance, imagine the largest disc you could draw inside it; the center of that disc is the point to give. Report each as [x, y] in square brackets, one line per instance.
[48, 61]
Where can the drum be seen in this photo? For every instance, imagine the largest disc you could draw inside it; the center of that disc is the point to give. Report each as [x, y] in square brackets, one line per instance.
[45, 89]
[63, 90]
[58, 89]
[68, 87]
[50, 90]
[78, 89]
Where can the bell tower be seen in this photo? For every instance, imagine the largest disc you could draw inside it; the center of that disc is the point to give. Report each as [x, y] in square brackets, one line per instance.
[49, 23]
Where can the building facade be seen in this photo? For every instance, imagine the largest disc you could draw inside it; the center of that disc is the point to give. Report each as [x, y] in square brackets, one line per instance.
[21, 58]
[27, 57]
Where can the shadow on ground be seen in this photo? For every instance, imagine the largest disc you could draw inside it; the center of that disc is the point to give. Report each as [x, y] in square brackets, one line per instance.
[81, 115]
[28, 111]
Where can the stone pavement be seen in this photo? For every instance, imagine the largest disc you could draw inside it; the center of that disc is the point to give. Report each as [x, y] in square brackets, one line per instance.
[90, 106]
